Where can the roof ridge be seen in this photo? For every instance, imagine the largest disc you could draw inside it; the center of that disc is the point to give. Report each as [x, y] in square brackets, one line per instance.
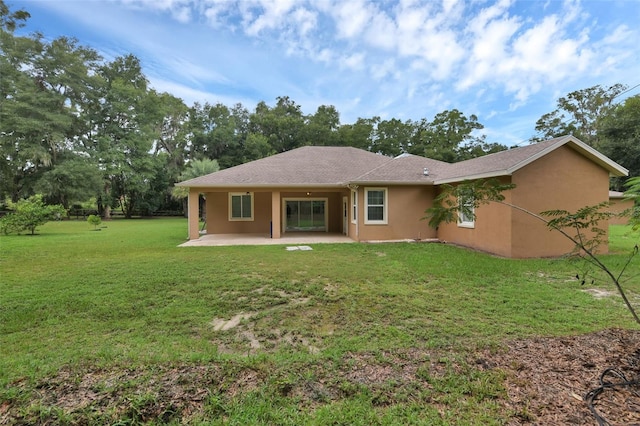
[374, 169]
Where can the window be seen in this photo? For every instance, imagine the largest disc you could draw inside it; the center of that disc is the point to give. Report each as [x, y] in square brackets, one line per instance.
[241, 206]
[466, 212]
[305, 214]
[354, 206]
[376, 206]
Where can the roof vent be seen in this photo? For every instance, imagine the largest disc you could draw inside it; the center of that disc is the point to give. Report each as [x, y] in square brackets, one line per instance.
[425, 171]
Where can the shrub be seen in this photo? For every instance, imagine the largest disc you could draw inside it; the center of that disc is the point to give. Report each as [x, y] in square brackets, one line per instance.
[94, 220]
[28, 214]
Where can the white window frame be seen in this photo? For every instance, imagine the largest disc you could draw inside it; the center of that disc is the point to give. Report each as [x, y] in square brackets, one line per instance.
[385, 206]
[463, 220]
[354, 206]
[240, 194]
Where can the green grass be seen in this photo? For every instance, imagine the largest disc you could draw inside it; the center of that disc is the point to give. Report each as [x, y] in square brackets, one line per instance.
[126, 298]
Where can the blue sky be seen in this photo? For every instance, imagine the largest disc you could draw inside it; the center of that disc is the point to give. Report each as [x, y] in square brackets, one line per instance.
[505, 61]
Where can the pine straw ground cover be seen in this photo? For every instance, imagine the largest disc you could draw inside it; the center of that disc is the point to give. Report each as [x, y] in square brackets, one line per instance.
[103, 328]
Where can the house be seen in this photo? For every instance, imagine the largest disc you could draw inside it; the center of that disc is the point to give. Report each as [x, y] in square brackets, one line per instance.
[618, 204]
[370, 197]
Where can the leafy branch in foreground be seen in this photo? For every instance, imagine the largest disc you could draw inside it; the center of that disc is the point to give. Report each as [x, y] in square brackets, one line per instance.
[581, 227]
[447, 206]
[633, 193]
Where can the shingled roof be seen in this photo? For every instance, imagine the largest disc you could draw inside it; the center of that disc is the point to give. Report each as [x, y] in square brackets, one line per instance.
[504, 163]
[319, 166]
[308, 166]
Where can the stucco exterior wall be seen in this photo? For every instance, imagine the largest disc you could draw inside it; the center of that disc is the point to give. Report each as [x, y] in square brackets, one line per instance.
[617, 206]
[491, 231]
[217, 208]
[406, 206]
[563, 179]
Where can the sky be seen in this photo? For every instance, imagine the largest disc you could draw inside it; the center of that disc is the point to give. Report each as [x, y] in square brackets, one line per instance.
[507, 62]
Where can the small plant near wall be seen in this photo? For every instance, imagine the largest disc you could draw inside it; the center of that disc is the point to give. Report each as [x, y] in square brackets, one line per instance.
[95, 221]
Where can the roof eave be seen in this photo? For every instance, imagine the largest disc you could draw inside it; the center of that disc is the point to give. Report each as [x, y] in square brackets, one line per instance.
[392, 182]
[265, 185]
[614, 168]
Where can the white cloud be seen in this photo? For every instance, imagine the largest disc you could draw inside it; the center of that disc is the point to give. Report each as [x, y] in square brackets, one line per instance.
[381, 31]
[190, 95]
[182, 14]
[273, 13]
[215, 12]
[192, 71]
[325, 55]
[621, 34]
[351, 17]
[386, 68]
[353, 61]
[523, 55]
[405, 58]
[305, 20]
[180, 10]
[428, 34]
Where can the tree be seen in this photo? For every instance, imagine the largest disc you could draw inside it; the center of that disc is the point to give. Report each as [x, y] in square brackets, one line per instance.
[44, 90]
[127, 128]
[75, 179]
[10, 21]
[28, 214]
[94, 220]
[196, 168]
[282, 124]
[322, 127]
[619, 134]
[582, 227]
[256, 146]
[578, 114]
[633, 193]
[391, 137]
[359, 134]
[171, 131]
[213, 133]
[450, 137]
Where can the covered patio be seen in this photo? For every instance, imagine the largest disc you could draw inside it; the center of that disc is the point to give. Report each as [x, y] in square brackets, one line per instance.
[289, 239]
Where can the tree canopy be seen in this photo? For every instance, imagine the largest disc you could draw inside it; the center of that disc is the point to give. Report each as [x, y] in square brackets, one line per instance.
[75, 127]
[593, 116]
[619, 134]
[579, 114]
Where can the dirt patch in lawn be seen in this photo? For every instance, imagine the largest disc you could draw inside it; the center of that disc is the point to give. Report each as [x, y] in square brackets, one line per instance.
[545, 382]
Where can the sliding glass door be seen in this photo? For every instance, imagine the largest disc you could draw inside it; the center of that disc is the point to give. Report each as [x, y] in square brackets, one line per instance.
[305, 215]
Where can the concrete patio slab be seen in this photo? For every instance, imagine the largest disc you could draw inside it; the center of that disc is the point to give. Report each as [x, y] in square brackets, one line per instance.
[291, 238]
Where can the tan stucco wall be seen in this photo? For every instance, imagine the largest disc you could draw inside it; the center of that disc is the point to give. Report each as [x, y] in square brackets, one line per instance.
[406, 206]
[563, 179]
[491, 232]
[617, 206]
[217, 210]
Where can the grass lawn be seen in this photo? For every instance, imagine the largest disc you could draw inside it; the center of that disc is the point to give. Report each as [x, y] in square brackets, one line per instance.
[343, 334]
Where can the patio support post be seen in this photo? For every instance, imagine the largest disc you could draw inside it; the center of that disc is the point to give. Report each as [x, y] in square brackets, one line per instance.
[275, 214]
[194, 214]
